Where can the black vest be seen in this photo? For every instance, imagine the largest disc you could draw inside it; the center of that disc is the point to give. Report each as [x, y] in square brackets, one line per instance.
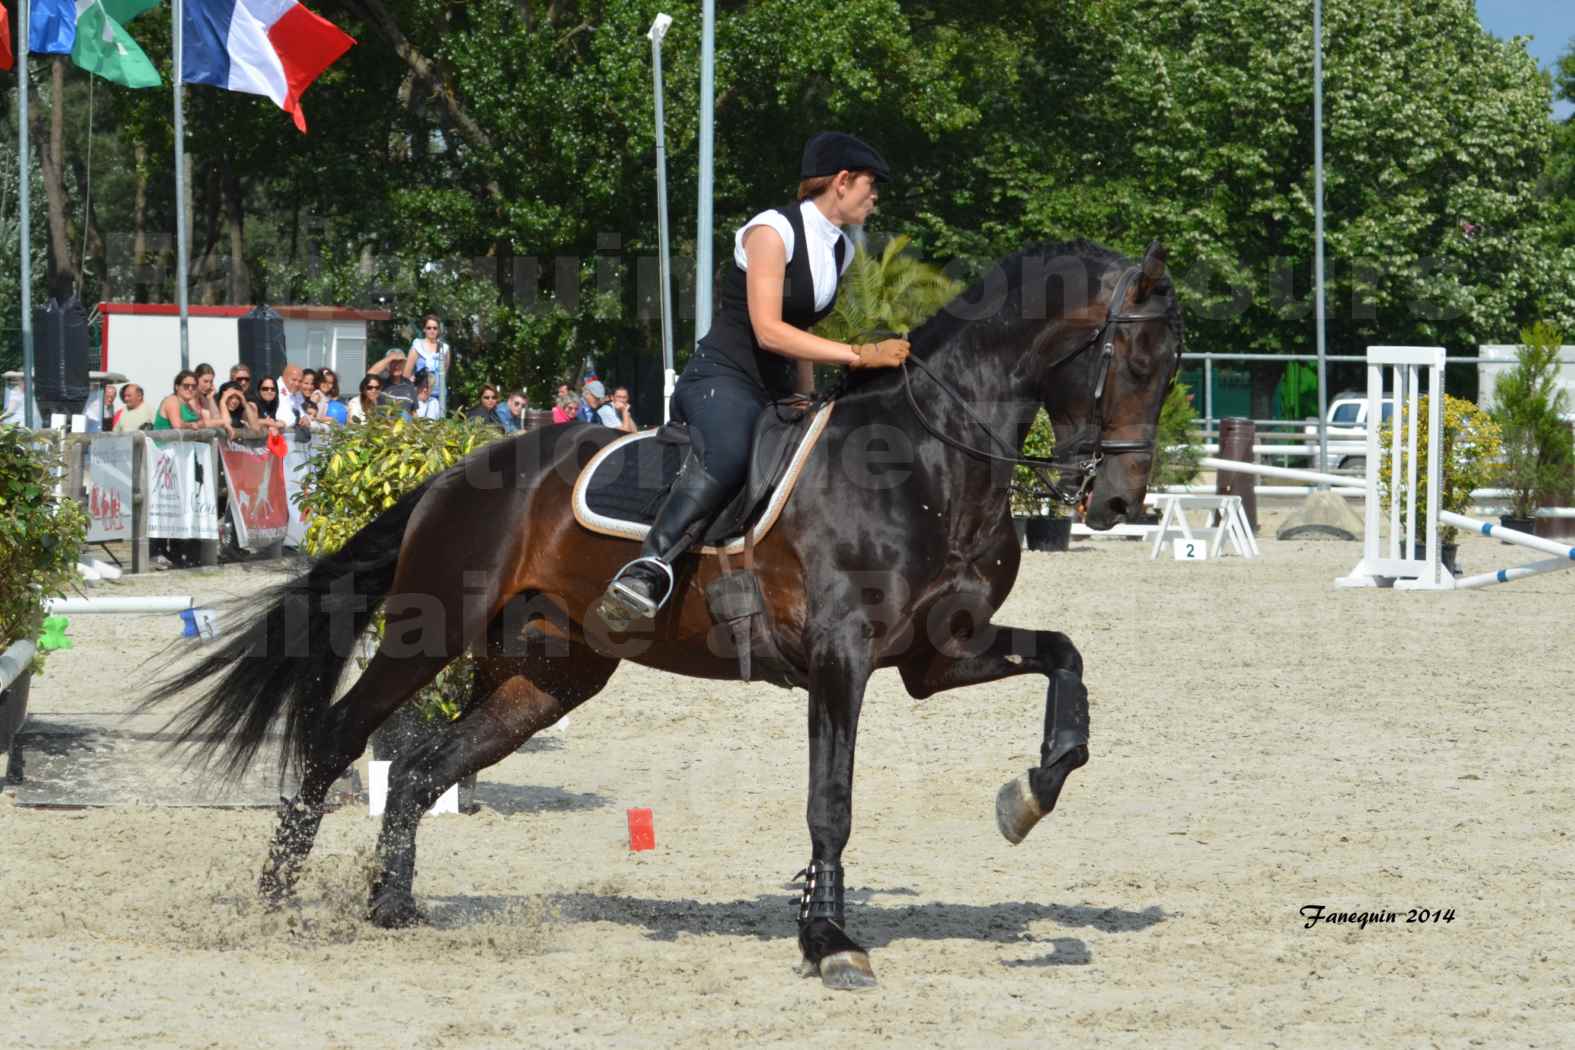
[733, 337]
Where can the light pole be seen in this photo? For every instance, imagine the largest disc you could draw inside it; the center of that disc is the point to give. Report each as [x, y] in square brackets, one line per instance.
[669, 377]
[1323, 381]
[24, 21]
[707, 119]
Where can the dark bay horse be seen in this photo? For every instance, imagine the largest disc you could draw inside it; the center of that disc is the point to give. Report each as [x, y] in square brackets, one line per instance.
[894, 552]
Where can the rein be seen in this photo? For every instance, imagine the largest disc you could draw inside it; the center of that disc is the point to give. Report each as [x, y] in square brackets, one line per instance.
[1086, 468]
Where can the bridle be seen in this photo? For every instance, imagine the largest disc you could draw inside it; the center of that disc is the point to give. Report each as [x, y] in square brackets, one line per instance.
[1090, 450]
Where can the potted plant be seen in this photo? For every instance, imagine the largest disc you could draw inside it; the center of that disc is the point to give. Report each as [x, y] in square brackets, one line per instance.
[357, 472]
[40, 535]
[1472, 445]
[1539, 447]
[1035, 509]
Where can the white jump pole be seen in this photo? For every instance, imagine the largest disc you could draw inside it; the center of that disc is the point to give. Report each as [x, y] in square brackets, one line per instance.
[1517, 572]
[156, 604]
[1316, 477]
[1499, 532]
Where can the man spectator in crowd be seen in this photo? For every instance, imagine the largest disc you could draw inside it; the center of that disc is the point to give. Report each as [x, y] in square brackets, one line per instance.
[137, 413]
[107, 420]
[241, 376]
[290, 398]
[396, 388]
[595, 407]
[512, 412]
[620, 405]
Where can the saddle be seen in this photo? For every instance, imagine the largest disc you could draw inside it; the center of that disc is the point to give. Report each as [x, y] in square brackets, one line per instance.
[620, 490]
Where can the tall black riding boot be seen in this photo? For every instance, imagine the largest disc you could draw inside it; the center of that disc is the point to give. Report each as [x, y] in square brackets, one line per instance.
[643, 586]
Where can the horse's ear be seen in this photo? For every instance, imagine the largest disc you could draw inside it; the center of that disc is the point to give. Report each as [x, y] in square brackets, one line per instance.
[1153, 270]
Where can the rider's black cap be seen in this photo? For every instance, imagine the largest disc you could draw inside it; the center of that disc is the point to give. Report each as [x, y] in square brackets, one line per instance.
[832, 151]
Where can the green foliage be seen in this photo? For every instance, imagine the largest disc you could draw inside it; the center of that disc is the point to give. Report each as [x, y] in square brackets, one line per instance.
[1472, 445]
[1529, 406]
[40, 534]
[360, 471]
[1031, 495]
[893, 292]
[1177, 449]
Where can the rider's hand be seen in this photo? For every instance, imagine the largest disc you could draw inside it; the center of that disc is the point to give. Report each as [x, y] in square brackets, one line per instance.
[888, 353]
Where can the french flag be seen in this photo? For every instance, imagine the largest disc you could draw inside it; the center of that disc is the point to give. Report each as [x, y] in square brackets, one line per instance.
[267, 47]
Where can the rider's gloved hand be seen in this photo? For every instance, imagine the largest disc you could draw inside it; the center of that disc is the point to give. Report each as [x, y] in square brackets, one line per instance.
[888, 353]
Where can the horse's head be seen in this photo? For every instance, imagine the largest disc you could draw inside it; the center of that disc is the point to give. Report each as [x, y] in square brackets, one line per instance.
[1104, 394]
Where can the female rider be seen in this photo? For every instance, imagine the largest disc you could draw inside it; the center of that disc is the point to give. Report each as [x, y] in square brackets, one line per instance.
[783, 279]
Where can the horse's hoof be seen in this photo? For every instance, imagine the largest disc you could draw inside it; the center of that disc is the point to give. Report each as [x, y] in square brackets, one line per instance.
[396, 912]
[847, 971]
[1017, 810]
[273, 892]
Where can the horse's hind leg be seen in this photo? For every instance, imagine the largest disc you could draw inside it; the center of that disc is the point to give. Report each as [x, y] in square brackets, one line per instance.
[336, 742]
[516, 696]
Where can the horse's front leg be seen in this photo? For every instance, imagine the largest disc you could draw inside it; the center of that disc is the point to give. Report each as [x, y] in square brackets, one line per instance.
[991, 653]
[840, 667]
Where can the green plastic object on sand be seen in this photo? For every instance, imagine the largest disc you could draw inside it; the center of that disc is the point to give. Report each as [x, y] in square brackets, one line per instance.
[54, 636]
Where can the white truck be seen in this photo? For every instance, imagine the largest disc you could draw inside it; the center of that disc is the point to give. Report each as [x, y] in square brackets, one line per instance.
[1347, 428]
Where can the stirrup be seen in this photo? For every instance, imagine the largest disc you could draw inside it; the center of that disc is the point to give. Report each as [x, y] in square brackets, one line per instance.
[632, 600]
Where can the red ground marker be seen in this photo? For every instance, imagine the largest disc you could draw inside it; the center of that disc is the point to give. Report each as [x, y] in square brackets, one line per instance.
[642, 833]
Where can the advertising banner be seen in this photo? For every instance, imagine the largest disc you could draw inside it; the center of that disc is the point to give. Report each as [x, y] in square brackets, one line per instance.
[258, 505]
[294, 471]
[181, 488]
[109, 488]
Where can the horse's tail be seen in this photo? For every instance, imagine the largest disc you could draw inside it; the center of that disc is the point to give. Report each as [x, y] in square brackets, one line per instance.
[287, 659]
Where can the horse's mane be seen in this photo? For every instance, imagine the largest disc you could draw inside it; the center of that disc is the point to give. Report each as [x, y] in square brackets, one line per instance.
[960, 319]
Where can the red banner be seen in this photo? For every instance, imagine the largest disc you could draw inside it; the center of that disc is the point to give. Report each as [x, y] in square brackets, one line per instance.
[258, 505]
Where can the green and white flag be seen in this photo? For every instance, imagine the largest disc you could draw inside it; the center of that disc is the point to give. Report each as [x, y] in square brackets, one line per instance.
[104, 47]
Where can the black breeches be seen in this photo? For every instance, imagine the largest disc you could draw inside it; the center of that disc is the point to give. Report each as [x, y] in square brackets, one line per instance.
[723, 408]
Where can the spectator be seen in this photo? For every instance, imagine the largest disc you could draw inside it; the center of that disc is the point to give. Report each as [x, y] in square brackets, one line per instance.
[235, 411]
[565, 406]
[107, 419]
[567, 410]
[180, 411]
[241, 376]
[596, 408]
[206, 403]
[511, 414]
[620, 404]
[429, 354]
[370, 397]
[268, 405]
[288, 392]
[137, 414]
[396, 387]
[426, 406]
[332, 406]
[488, 408]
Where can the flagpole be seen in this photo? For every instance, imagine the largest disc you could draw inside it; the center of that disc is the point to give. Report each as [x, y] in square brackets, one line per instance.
[177, 8]
[24, 19]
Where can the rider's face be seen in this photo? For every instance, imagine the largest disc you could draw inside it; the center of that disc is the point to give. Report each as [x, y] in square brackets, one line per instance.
[859, 199]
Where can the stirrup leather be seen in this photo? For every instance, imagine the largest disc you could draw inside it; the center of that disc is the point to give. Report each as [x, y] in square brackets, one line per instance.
[632, 599]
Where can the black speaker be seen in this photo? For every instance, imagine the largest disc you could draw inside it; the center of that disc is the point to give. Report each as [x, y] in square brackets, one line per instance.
[60, 355]
[261, 339]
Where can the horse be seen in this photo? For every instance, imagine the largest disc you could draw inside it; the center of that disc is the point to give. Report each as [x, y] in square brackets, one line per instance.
[488, 559]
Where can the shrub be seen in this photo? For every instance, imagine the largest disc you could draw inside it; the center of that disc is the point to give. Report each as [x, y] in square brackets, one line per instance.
[361, 470]
[1539, 447]
[1176, 448]
[1471, 448]
[1030, 492]
[40, 534]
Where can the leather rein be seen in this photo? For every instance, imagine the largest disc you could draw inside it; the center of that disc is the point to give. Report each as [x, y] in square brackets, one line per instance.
[1085, 467]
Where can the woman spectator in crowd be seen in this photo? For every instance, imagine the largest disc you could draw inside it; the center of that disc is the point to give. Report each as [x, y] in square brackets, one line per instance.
[426, 406]
[206, 402]
[234, 411]
[487, 409]
[565, 407]
[366, 403]
[428, 352]
[180, 411]
[266, 404]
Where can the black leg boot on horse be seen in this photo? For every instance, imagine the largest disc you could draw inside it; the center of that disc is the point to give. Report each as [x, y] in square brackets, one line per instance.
[642, 587]
[1021, 804]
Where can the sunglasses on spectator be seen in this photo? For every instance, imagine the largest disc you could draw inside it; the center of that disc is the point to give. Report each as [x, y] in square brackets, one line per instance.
[431, 327]
[267, 388]
[374, 386]
[188, 385]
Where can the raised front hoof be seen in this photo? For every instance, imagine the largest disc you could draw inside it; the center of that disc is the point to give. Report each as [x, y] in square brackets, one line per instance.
[847, 971]
[396, 911]
[273, 892]
[1016, 809]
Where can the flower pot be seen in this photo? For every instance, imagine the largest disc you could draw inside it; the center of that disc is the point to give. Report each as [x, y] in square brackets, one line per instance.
[13, 712]
[405, 730]
[1526, 525]
[1048, 534]
[1446, 554]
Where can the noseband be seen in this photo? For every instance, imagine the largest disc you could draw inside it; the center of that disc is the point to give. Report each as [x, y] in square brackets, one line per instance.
[1090, 451]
